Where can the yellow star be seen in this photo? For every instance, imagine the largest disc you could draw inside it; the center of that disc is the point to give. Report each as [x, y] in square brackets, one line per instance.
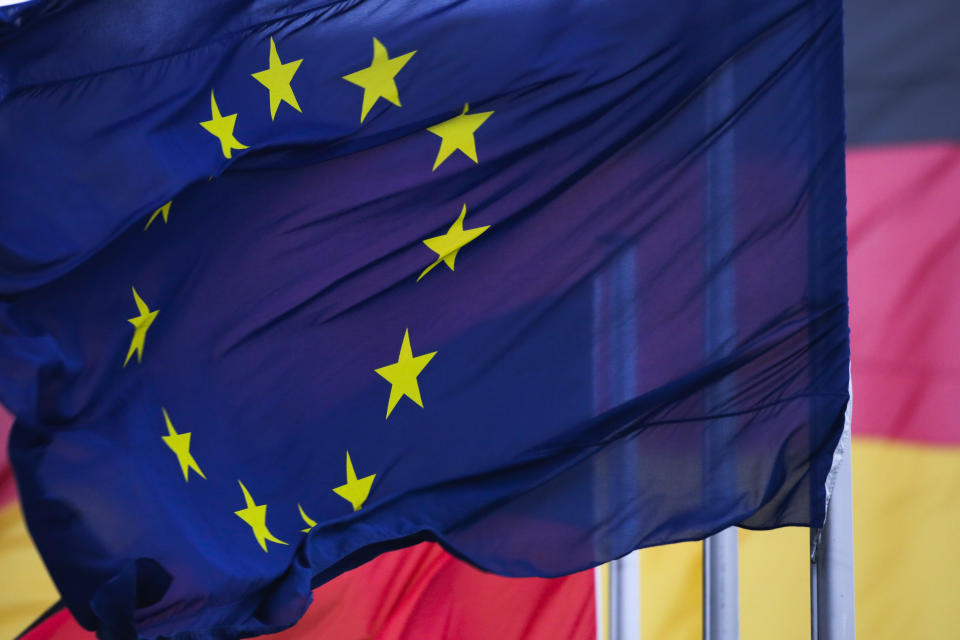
[222, 128]
[179, 443]
[277, 79]
[162, 211]
[355, 491]
[402, 374]
[377, 79]
[447, 245]
[457, 133]
[311, 523]
[255, 515]
[140, 325]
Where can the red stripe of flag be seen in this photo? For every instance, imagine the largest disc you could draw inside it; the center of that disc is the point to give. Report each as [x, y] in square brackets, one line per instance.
[905, 271]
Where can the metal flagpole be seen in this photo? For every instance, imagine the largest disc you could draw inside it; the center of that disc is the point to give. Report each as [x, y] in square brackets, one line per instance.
[721, 606]
[721, 602]
[618, 582]
[831, 569]
[624, 574]
[625, 598]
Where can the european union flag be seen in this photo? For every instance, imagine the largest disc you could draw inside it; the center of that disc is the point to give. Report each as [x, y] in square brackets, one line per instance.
[286, 284]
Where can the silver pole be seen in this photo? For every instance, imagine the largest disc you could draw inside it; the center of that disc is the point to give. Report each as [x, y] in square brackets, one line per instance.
[615, 314]
[625, 598]
[721, 598]
[721, 601]
[831, 570]
[624, 573]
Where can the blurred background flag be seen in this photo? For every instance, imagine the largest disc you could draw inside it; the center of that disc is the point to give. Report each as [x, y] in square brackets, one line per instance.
[285, 288]
[903, 84]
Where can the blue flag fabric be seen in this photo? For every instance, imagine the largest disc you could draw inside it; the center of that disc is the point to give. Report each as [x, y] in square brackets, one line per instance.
[284, 285]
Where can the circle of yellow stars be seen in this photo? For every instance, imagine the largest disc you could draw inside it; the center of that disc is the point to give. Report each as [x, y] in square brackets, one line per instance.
[457, 134]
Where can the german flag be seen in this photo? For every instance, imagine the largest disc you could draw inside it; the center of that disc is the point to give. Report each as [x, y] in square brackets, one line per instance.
[903, 177]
